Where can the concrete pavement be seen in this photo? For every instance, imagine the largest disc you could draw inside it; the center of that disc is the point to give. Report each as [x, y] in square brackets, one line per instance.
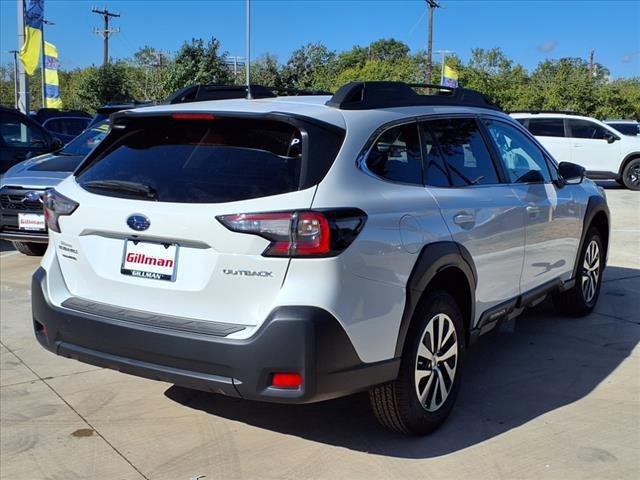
[546, 397]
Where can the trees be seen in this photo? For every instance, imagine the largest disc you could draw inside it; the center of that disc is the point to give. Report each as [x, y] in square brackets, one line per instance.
[562, 84]
[108, 83]
[310, 67]
[266, 71]
[197, 62]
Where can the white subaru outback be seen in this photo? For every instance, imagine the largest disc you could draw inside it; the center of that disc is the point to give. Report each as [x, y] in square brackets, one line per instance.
[298, 249]
[606, 153]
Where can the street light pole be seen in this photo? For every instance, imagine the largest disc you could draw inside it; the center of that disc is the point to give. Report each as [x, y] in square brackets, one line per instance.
[247, 63]
[15, 77]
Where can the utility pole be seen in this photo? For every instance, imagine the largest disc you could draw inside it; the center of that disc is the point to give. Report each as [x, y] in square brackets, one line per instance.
[23, 80]
[105, 32]
[591, 64]
[431, 6]
[15, 77]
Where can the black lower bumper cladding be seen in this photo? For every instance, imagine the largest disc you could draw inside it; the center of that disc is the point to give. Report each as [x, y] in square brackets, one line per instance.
[298, 339]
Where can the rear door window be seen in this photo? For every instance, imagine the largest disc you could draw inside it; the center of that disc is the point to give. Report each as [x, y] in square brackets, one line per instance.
[202, 161]
[587, 129]
[462, 147]
[396, 155]
[547, 127]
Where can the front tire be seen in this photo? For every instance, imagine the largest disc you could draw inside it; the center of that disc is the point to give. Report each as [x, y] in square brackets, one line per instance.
[631, 174]
[582, 298]
[30, 248]
[422, 396]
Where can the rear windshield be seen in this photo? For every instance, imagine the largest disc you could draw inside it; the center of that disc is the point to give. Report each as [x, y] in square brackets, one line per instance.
[627, 128]
[199, 161]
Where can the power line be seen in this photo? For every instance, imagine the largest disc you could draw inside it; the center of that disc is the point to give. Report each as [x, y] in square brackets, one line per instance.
[431, 6]
[105, 32]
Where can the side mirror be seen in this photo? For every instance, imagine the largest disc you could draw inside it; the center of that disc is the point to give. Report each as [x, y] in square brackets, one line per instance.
[570, 173]
[610, 137]
[56, 144]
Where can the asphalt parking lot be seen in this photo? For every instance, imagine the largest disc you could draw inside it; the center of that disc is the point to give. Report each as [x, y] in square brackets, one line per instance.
[544, 397]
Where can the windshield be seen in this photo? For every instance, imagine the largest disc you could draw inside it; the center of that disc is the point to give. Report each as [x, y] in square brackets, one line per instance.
[87, 140]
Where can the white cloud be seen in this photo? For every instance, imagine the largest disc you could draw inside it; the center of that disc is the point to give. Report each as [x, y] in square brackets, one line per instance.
[546, 47]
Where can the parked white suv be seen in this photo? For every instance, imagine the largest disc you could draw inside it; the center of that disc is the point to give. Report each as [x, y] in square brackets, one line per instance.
[602, 150]
[300, 249]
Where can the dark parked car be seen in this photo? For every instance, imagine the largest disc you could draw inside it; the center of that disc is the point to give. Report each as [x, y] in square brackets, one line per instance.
[103, 112]
[21, 188]
[22, 138]
[63, 124]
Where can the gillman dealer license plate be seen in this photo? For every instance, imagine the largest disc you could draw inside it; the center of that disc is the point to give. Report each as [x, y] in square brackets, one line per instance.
[156, 261]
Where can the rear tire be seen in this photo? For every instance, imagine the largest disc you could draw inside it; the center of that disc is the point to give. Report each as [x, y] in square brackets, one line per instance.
[422, 396]
[30, 248]
[582, 298]
[631, 174]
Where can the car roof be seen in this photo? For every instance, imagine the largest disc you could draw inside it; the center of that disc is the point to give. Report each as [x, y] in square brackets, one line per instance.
[550, 115]
[313, 106]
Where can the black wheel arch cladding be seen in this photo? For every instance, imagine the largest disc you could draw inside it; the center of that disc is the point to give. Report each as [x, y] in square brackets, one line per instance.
[433, 260]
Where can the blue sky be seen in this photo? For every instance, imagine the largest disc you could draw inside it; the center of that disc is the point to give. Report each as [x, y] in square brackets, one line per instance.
[528, 31]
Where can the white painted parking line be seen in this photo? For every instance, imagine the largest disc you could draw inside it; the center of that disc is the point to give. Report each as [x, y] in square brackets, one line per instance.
[7, 254]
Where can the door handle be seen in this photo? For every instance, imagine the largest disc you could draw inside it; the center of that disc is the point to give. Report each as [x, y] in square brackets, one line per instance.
[464, 218]
[533, 210]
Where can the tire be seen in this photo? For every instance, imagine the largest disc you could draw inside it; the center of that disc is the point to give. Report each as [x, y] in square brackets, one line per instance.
[30, 248]
[397, 405]
[631, 174]
[579, 301]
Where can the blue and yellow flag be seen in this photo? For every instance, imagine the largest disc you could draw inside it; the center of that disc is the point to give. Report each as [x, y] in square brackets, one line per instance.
[51, 84]
[450, 77]
[30, 51]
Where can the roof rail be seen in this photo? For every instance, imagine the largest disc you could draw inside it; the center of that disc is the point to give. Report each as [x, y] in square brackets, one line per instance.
[535, 112]
[370, 95]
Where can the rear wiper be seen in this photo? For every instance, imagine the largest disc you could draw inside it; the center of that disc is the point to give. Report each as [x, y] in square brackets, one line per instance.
[133, 188]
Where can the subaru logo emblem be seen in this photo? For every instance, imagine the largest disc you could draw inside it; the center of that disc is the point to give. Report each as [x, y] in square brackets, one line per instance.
[138, 222]
[33, 197]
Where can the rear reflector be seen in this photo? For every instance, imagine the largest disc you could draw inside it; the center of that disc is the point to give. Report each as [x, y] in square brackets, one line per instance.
[286, 380]
[193, 116]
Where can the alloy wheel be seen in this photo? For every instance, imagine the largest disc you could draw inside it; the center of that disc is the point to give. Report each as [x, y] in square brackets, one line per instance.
[436, 362]
[633, 175]
[591, 271]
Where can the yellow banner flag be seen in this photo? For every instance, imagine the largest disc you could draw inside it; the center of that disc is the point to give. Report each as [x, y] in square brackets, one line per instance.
[30, 51]
[51, 83]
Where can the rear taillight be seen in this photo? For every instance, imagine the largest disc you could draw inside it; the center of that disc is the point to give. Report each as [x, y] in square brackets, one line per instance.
[56, 205]
[304, 233]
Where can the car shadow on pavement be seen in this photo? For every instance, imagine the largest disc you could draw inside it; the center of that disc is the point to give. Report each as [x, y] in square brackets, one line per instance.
[530, 366]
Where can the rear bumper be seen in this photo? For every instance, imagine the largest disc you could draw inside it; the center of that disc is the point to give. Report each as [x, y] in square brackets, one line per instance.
[305, 340]
[24, 237]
